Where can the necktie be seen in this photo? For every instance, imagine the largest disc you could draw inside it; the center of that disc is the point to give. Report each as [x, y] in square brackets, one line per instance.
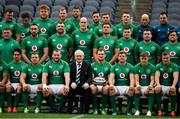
[78, 73]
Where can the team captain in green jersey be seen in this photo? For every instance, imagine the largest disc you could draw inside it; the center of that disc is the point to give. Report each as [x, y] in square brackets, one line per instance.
[56, 80]
[100, 69]
[144, 80]
[166, 78]
[127, 44]
[121, 82]
[31, 81]
[34, 44]
[147, 45]
[3, 81]
[15, 68]
[84, 39]
[61, 41]
[108, 43]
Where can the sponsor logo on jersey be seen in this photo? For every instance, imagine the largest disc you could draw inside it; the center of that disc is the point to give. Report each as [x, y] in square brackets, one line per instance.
[101, 74]
[143, 76]
[122, 75]
[34, 48]
[55, 73]
[59, 46]
[165, 75]
[43, 30]
[82, 42]
[172, 53]
[106, 47]
[126, 49]
[34, 76]
[22, 35]
[17, 73]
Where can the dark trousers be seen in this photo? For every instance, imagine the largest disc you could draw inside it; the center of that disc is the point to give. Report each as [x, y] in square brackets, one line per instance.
[86, 93]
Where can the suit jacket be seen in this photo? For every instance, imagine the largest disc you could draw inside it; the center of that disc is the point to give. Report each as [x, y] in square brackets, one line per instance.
[85, 75]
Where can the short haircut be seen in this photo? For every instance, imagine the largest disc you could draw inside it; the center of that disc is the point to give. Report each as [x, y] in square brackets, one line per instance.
[95, 12]
[122, 52]
[165, 53]
[34, 24]
[8, 10]
[76, 7]
[62, 9]
[126, 13]
[25, 15]
[144, 54]
[171, 31]
[164, 13]
[35, 53]
[106, 24]
[7, 29]
[127, 28]
[17, 50]
[56, 51]
[44, 6]
[105, 13]
[100, 50]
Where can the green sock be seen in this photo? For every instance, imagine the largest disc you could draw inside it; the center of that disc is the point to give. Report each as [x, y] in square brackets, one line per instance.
[158, 101]
[25, 98]
[50, 101]
[16, 100]
[38, 99]
[173, 102]
[9, 99]
[129, 104]
[150, 102]
[62, 101]
[137, 101]
[104, 101]
[94, 99]
[113, 103]
[2, 97]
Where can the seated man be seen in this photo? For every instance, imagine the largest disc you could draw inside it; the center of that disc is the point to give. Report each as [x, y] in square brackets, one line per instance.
[121, 82]
[166, 78]
[144, 80]
[56, 75]
[101, 70]
[31, 81]
[81, 77]
[15, 68]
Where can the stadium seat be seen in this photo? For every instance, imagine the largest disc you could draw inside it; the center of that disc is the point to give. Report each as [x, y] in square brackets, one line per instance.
[90, 8]
[61, 2]
[54, 18]
[92, 3]
[76, 3]
[47, 2]
[55, 14]
[27, 8]
[56, 8]
[13, 2]
[87, 14]
[1, 9]
[107, 9]
[108, 4]
[2, 3]
[15, 9]
[30, 2]
[69, 14]
[114, 1]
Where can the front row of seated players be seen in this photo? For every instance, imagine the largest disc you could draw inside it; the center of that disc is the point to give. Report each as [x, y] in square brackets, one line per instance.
[121, 79]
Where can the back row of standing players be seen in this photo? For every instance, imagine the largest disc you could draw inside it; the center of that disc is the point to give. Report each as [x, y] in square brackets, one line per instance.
[42, 36]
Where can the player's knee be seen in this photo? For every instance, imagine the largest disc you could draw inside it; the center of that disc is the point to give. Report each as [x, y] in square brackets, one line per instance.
[131, 91]
[158, 90]
[172, 92]
[151, 91]
[9, 88]
[2, 88]
[105, 90]
[137, 90]
[112, 91]
[93, 89]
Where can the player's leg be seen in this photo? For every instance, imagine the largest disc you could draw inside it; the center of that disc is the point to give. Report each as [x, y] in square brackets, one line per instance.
[158, 94]
[25, 92]
[38, 98]
[94, 91]
[112, 93]
[62, 94]
[16, 100]
[130, 93]
[2, 96]
[149, 91]
[9, 90]
[137, 99]
[104, 92]
[172, 94]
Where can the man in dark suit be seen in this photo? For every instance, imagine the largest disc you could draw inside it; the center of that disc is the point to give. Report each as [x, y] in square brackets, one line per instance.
[81, 76]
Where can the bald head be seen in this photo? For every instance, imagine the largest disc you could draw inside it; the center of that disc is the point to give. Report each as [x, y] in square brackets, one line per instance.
[145, 19]
[83, 24]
